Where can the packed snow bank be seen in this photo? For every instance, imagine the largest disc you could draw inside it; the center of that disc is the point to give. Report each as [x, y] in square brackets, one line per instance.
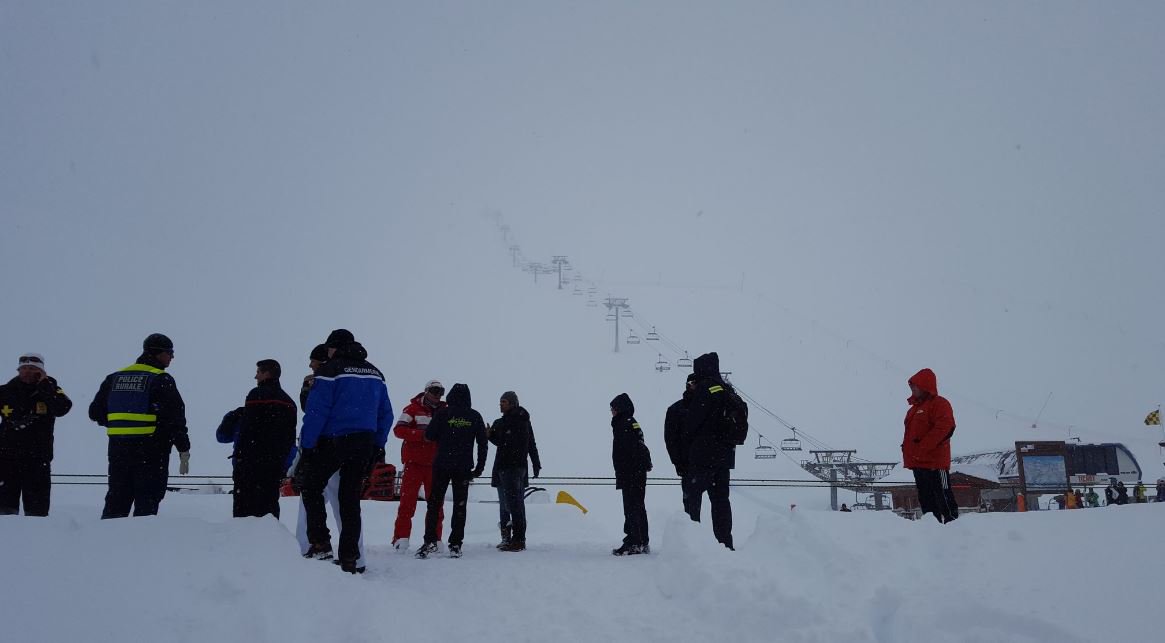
[193, 574]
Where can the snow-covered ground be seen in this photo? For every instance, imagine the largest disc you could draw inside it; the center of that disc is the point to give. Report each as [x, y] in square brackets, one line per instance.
[193, 574]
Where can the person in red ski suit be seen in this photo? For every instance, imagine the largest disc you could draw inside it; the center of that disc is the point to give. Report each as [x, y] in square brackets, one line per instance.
[416, 454]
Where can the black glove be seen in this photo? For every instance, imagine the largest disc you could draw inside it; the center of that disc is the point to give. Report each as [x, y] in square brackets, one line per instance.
[537, 470]
[681, 471]
[47, 386]
[476, 473]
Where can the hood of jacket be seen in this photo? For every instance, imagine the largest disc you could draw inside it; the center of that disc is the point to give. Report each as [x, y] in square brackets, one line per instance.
[925, 380]
[706, 365]
[353, 350]
[459, 396]
[623, 404]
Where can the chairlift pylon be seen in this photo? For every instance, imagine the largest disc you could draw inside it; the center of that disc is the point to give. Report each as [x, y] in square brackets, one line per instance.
[652, 336]
[685, 361]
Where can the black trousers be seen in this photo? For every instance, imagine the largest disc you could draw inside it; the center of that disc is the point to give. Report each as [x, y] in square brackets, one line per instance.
[714, 482]
[30, 479]
[935, 495]
[257, 488]
[138, 472]
[634, 511]
[351, 455]
[442, 479]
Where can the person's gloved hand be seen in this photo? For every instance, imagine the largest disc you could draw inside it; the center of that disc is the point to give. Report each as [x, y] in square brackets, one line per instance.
[183, 463]
[476, 473]
[537, 471]
[680, 471]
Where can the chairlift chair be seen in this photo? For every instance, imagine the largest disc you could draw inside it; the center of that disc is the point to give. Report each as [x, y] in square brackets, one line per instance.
[791, 444]
[662, 365]
[652, 336]
[632, 338]
[764, 451]
[627, 313]
[611, 316]
[685, 362]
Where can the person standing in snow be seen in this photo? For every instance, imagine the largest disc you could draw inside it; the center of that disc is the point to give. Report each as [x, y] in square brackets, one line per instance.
[1110, 493]
[416, 455]
[711, 456]
[632, 460]
[145, 417]
[316, 360]
[678, 445]
[513, 435]
[266, 437]
[1091, 498]
[1139, 492]
[347, 422]
[30, 404]
[1122, 493]
[926, 446]
[455, 430]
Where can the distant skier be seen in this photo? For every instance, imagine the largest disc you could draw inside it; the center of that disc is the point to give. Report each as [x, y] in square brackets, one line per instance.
[711, 457]
[631, 460]
[347, 422]
[416, 454]
[455, 430]
[30, 404]
[678, 445]
[513, 435]
[926, 446]
[145, 417]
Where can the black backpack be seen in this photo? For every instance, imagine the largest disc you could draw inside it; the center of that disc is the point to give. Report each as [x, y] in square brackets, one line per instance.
[735, 421]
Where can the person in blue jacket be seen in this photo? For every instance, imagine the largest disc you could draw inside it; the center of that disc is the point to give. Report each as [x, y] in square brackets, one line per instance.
[347, 422]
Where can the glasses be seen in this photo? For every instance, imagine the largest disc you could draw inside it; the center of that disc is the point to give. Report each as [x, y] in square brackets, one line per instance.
[436, 390]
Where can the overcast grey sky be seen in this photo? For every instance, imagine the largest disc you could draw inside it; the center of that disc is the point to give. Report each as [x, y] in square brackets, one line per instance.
[975, 187]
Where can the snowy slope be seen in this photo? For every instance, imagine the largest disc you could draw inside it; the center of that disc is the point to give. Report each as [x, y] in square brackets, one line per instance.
[192, 574]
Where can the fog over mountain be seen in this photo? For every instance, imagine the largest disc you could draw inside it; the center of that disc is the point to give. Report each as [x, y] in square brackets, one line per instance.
[831, 196]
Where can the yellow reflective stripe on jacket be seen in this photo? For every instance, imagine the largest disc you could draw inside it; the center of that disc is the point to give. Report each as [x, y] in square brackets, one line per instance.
[142, 367]
[131, 430]
[716, 389]
[132, 417]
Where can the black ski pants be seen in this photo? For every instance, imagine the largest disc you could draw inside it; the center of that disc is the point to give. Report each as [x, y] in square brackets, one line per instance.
[442, 479]
[634, 510]
[715, 482]
[935, 495]
[257, 488]
[352, 456]
[137, 480]
[30, 479]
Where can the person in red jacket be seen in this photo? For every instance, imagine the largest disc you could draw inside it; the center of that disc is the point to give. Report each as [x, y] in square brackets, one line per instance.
[926, 446]
[416, 454]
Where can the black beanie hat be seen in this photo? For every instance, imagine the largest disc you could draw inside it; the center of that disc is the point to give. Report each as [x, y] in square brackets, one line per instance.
[319, 353]
[339, 338]
[157, 343]
[511, 397]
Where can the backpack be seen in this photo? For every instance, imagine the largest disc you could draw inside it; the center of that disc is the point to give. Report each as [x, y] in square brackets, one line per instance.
[735, 421]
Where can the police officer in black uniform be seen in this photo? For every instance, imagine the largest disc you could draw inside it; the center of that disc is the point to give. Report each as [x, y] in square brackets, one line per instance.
[29, 407]
[144, 417]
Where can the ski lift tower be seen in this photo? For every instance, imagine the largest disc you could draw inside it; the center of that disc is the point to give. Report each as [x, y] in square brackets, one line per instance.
[561, 264]
[841, 465]
[538, 269]
[515, 251]
[614, 306]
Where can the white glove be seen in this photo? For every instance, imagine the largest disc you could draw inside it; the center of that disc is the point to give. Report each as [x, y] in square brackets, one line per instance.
[184, 463]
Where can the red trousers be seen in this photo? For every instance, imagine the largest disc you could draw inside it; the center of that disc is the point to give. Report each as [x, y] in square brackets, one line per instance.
[414, 476]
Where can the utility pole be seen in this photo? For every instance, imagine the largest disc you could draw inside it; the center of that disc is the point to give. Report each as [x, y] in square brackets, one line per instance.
[615, 305]
[561, 262]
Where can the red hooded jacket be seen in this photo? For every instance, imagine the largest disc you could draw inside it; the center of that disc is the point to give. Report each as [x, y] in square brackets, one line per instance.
[930, 423]
[410, 428]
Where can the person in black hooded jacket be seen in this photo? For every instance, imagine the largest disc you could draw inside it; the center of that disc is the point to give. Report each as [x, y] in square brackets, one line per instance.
[711, 455]
[632, 460]
[456, 428]
[513, 435]
[678, 444]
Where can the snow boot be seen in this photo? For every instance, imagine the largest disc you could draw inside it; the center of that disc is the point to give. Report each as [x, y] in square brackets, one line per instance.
[320, 552]
[513, 545]
[401, 545]
[630, 550]
[426, 549]
[507, 533]
[350, 567]
[455, 551]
